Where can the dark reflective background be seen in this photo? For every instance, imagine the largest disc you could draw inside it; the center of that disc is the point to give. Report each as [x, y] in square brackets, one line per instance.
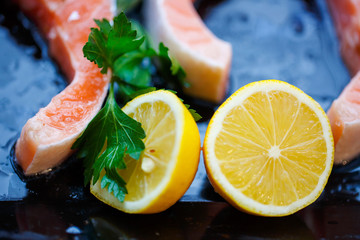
[290, 40]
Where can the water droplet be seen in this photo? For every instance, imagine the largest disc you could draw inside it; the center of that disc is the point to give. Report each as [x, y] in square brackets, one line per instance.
[73, 230]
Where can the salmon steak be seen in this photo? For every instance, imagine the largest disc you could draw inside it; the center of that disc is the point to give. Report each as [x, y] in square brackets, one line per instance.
[344, 113]
[46, 138]
[344, 116]
[346, 16]
[205, 58]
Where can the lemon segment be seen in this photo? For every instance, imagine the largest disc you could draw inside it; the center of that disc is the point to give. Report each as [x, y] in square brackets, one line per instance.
[269, 149]
[169, 162]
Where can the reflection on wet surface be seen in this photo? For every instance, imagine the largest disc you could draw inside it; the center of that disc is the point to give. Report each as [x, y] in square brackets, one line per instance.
[289, 40]
[185, 220]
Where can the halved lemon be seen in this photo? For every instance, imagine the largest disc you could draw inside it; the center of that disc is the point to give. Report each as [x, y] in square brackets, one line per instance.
[169, 162]
[269, 149]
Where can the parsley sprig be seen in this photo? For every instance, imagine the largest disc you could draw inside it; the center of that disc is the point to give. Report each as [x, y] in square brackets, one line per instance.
[121, 135]
[111, 135]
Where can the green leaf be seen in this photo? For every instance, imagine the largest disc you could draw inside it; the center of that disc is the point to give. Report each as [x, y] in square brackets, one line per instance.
[95, 49]
[105, 27]
[132, 72]
[126, 5]
[122, 38]
[107, 43]
[130, 68]
[122, 27]
[142, 32]
[193, 112]
[118, 48]
[142, 91]
[119, 134]
[118, 191]
[170, 69]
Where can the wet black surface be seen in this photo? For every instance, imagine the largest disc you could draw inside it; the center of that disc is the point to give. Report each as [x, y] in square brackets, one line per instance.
[290, 40]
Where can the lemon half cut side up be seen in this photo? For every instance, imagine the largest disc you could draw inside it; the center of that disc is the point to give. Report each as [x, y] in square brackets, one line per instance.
[269, 149]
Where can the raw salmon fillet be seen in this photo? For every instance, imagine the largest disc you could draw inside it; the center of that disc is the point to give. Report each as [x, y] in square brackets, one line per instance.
[46, 139]
[344, 116]
[346, 16]
[205, 58]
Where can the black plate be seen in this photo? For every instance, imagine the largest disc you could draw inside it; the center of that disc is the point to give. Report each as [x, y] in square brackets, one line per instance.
[290, 40]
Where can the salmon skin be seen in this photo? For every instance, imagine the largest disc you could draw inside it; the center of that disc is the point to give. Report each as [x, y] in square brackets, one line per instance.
[344, 113]
[46, 138]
